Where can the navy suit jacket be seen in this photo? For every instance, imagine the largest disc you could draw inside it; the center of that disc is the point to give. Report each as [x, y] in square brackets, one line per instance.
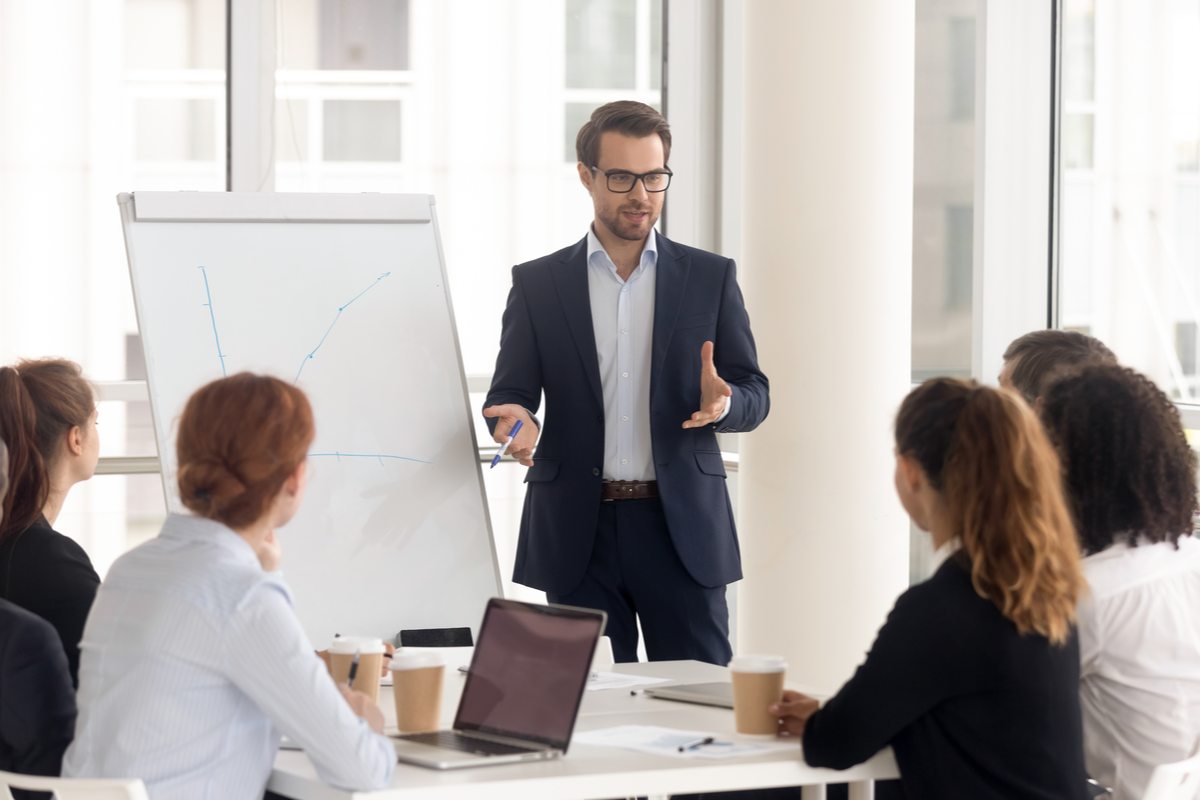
[547, 345]
[37, 701]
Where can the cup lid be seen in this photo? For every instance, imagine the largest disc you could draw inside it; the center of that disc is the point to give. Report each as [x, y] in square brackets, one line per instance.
[402, 660]
[356, 644]
[758, 663]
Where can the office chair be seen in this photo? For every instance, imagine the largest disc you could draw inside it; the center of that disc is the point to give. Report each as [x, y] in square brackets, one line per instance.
[74, 788]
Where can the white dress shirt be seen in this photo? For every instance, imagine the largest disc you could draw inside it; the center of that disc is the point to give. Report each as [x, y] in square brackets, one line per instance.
[1139, 643]
[193, 663]
[623, 324]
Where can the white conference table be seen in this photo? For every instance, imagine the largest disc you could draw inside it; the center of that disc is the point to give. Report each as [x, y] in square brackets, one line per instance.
[591, 772]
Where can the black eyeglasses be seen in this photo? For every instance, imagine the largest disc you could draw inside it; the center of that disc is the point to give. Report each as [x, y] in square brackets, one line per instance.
[621, 182]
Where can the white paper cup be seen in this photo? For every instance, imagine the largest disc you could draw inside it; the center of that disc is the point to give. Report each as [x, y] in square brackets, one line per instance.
[369, 650]
[417, 687]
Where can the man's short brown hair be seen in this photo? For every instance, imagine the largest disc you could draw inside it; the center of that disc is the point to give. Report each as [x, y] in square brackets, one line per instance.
[627, 117]
[1043, 357]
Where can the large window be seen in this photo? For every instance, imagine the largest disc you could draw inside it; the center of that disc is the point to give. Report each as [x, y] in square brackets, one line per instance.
[1129, 224]
[943, 188]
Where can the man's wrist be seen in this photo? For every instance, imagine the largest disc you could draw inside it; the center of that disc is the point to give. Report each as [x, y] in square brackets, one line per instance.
[725, 412]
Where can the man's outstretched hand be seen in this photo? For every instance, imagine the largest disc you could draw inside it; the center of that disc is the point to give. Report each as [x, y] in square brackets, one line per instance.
[713, 392]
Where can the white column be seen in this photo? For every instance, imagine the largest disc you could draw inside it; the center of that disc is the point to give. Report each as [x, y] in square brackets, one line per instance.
[827, 224]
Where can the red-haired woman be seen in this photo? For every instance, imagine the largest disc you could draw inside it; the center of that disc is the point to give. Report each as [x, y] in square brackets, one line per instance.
[193, 660]
[974, 678]
[48, 419]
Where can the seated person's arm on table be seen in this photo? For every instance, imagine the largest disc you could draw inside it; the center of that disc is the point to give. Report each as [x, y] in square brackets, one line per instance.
[908, 670]
[271, 660]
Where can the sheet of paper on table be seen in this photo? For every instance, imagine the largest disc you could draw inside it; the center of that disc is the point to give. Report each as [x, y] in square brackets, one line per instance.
[618, 680]
[667, 741]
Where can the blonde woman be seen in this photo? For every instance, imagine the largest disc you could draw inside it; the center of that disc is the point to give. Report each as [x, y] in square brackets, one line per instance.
[974, 677]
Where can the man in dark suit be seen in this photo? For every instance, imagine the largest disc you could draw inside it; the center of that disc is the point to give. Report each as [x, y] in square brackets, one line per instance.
[644, 352]
[37, 701]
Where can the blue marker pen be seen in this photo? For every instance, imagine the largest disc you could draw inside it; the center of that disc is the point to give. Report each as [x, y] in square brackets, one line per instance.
[504, 449]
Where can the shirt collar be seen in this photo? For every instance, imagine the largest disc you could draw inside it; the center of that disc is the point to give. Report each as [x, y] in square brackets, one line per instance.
[943, 553]
[188, 527]
[597, 255]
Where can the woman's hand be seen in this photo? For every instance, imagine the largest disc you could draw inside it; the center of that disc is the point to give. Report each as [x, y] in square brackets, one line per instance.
[269, 552]
[793, 712]
[388, 651]
[364, 707]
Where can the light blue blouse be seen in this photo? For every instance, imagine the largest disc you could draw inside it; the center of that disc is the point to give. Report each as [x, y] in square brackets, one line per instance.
[193, 663]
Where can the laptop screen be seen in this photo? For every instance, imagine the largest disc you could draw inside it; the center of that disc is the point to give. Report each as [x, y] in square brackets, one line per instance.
[529, 670]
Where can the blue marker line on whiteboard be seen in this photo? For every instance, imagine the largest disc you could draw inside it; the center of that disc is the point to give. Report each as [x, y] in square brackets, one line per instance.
[313, 353]
[504, 449]
[339, 455]
[213, 317]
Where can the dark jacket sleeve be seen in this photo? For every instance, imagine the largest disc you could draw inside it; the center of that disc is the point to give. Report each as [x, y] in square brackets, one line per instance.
[37, 701]
[518, 374]
[910, 668]
[736, 360]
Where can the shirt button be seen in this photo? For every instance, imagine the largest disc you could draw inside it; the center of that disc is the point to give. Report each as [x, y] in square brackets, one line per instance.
[624, 331]
[624, 460]
[624, 374]
[624, 419]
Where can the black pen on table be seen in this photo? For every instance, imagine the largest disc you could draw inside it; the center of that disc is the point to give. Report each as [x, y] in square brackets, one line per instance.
[692, 745]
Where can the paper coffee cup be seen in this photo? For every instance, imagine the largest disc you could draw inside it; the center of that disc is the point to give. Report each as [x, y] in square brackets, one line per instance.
[417, 687]
[757, 684]
[370, 662]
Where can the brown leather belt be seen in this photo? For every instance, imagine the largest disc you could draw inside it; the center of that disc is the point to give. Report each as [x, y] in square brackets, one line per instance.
[628, 490]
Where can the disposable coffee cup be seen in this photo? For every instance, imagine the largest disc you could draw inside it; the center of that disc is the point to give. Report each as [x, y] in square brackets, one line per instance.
[417, 687]
[757, 684]
[370, 662]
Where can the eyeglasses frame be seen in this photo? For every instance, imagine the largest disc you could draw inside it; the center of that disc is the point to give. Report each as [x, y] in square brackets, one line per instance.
[608, 173]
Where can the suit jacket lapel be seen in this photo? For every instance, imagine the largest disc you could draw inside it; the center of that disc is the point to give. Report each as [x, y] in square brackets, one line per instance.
[571, 282]
[669, 286]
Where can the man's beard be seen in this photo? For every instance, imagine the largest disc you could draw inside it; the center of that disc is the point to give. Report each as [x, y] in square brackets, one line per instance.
[629, 231]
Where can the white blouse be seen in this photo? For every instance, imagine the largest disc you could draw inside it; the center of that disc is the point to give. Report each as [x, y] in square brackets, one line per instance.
[193, 663]
[1139, 643]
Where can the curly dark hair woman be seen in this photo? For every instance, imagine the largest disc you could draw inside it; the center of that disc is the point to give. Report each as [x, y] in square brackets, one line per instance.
[1130, 473]
[1131, 485]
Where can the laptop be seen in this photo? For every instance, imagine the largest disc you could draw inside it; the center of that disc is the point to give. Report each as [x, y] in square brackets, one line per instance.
[522, 691]
[705, 694]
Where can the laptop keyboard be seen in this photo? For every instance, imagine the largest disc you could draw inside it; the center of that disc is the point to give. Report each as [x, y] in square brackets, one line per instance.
[465, 744]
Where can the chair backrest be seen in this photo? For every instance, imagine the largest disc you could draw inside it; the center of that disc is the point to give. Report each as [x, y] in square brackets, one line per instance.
[603, 658]
[1178, 781]
[74, 788]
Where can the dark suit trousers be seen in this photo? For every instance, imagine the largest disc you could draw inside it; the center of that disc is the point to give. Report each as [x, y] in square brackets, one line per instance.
[634, 573]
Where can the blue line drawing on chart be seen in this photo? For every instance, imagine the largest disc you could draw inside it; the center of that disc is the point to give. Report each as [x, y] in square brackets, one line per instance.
[341, 308]
[213, 317]
[377, 456]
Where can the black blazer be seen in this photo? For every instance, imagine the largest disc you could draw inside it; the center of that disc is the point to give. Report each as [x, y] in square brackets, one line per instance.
[547, 344]
[37, 702]
[970, 707]
[49, 574]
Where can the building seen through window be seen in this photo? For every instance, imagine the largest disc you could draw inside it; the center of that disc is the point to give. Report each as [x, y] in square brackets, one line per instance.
[1129, 218]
